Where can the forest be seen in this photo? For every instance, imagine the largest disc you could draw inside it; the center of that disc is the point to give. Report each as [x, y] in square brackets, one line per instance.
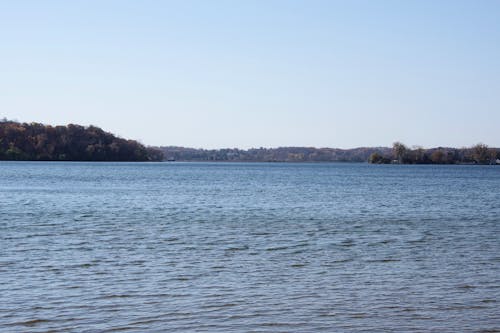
[40, 142]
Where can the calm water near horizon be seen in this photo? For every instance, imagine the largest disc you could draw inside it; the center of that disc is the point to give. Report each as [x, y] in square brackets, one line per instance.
[249, 247]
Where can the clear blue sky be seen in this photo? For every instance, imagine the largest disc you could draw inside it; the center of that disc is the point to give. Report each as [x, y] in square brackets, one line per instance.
[257, 73]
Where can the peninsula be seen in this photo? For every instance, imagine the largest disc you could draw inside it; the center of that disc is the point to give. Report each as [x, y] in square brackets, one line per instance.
[39, 142]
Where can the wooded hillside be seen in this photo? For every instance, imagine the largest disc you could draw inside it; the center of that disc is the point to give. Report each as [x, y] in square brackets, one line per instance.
[39, 142]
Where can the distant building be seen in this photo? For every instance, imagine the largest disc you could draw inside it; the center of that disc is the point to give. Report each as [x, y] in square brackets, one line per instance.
[498, 161]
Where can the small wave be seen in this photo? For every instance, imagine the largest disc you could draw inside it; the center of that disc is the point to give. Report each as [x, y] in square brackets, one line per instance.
[260, 233]
[358, 315]
[86, 265]
[417, 240]
[276, 324]
[115, 296]
[382, 260]
[464, 307]
[382, 242]
[31, 322]
[488, 300]
[218, 267]
[466, 286]
[277, 248]
[6, 263]
[298, 265]
[120, 329]
[237, 248]
[218, 306]
[348, 242]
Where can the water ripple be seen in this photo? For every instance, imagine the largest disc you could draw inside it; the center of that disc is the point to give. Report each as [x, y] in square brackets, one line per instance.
[104, 247]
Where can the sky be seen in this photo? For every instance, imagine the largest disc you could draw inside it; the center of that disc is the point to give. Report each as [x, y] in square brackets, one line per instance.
[257, 73]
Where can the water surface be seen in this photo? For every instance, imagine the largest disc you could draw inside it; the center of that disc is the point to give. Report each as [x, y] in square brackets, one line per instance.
[227, 247]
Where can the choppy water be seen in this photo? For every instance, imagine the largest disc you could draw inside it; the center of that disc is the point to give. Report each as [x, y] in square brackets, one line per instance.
[108, 247]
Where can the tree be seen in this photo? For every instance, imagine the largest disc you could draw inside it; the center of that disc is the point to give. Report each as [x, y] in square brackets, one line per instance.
[400, 151]
[376, 158]
[438, 156]
[481, 153]
[418, 153]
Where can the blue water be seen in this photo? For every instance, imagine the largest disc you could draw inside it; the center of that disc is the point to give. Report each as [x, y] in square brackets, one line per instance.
[199, 247]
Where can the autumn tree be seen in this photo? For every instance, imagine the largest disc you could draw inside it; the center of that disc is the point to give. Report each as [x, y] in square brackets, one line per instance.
[481, 153]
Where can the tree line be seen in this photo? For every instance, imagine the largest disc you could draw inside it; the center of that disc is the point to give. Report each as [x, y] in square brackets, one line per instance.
[39, 142]
[281, 154]
[401, 154]
[398, 154]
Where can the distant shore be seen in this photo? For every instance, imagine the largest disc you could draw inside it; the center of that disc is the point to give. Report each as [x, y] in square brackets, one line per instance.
[398, 154]
[40, 142]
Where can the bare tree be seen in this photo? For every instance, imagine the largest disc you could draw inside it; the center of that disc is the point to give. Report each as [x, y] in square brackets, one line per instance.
[399, 150]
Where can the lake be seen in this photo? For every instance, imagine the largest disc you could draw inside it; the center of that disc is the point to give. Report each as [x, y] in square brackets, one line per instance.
[249, 247]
